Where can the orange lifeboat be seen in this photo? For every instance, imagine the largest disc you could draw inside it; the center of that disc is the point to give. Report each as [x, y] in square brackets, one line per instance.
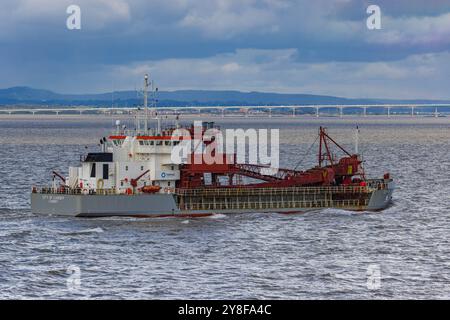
[150, 189]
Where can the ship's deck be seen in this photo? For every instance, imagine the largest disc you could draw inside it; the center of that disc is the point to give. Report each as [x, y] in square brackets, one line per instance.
[354, 197]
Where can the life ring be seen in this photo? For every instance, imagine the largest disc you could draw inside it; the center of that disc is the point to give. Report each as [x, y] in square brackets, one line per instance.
[100, 184]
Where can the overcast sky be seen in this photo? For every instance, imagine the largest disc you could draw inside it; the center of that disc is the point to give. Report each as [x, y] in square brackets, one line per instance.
[319, 47]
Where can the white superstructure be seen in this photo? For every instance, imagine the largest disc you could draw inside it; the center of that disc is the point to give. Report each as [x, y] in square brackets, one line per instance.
[130, 160]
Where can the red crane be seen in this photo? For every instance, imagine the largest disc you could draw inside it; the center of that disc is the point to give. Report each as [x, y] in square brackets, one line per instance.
[134, 182]
[334, 172]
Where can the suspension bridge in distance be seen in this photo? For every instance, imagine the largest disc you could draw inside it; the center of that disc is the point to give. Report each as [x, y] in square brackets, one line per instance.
[436, 110]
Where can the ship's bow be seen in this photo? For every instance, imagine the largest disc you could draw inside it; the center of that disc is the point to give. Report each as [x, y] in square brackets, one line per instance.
[381, 198]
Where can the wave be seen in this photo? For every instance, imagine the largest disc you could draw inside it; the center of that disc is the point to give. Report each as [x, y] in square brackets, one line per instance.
[217, 216]
[82, 231]
[343, 212]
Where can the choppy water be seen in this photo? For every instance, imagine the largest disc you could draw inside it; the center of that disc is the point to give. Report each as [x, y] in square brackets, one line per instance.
[326, 254]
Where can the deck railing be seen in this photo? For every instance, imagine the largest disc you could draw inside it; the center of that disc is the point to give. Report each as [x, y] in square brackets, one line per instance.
[371, 185]
[73, 191]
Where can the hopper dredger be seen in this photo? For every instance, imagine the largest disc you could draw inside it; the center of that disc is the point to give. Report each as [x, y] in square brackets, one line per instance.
[134, 175]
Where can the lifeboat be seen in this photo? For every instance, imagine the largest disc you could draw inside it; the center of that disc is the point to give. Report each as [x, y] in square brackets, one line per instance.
[150, 189]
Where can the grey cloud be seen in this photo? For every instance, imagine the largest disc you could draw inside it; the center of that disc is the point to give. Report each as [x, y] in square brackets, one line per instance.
[278, 71]
[309, 46]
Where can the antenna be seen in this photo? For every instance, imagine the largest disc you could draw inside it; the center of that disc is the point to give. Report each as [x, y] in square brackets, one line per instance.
[158, 118]
[357, 140]
[145, 103]
[177, 122]
[118, 127]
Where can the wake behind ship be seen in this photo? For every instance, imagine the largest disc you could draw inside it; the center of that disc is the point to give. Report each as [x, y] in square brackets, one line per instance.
[134, 175]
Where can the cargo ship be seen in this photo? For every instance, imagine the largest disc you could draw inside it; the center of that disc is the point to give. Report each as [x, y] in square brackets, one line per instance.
[134, 175]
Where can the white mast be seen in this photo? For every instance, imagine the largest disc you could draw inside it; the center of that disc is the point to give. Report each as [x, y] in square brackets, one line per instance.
[145, 103]
[154, 90]
[356, 140]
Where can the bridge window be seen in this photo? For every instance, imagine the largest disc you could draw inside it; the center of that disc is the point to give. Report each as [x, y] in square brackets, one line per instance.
[105, 171]
[141, 142]
[159, 143]
[117, 142]
[167, 143]
[93, 165]
[152, 143]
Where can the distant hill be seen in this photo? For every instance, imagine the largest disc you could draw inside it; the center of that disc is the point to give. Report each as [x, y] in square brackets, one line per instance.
[31, 96]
